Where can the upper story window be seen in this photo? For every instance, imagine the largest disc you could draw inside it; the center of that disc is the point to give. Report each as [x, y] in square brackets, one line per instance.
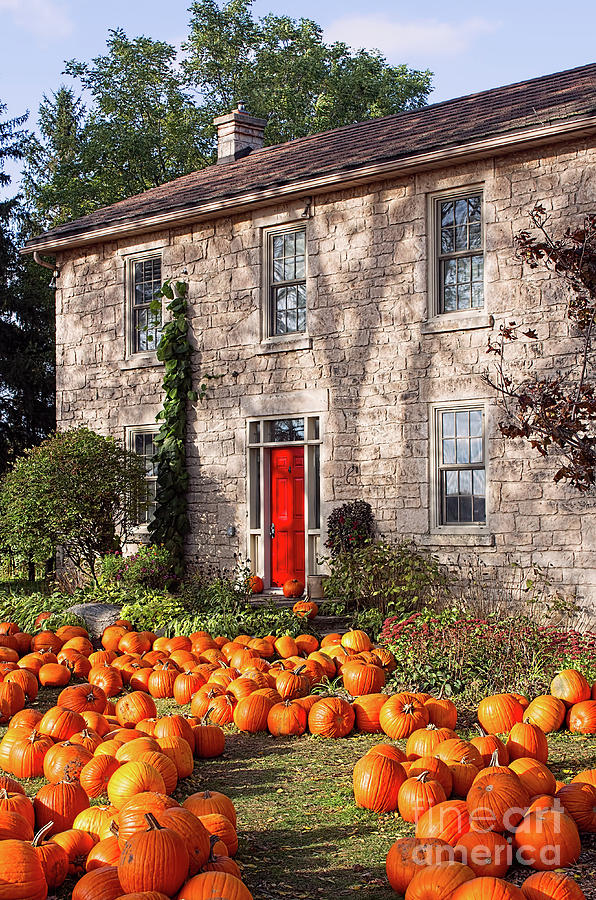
[459, 250]
[145, 325]
[461, 466]
[286, 264]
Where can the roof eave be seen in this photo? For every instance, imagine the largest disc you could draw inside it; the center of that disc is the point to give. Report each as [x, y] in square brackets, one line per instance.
[339, 179]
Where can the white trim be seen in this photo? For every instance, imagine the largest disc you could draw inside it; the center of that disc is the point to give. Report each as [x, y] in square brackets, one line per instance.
[133, 357]
[271, 342]
[433, 293]
[259, 537]
[338, 180]
[129, 432]
[436, 527]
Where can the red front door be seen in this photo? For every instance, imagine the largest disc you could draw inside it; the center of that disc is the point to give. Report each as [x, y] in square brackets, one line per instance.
[287, 514]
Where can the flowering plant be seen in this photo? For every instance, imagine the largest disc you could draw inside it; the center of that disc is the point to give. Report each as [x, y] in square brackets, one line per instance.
[151, 566]
[349, 527]
[459, 651]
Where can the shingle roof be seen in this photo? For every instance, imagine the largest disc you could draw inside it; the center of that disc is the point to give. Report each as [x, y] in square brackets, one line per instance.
[500, 111]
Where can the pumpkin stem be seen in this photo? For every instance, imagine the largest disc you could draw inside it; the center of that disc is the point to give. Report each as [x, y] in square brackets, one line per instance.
[423, 777]
[480, 730]
[494, 760]
[114, 828]
[152, 822]
[40, 834]
[3, 794]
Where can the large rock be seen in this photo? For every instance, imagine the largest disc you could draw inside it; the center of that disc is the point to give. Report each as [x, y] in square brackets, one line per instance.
[97, 616]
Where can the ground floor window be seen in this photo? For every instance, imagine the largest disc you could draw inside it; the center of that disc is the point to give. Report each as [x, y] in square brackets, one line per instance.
[284, 497]
[460, 465]
[141, 441]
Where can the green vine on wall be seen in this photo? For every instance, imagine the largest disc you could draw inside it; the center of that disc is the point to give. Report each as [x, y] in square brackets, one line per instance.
[170, 523]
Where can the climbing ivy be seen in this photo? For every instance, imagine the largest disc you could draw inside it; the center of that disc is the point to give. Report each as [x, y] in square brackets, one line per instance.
[170, 523]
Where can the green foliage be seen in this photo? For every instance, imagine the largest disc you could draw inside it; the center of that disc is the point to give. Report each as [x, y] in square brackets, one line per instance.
[151, 566]
[455, 651]
[349, 527]
[23, 607]
[147, 119]
[170, 523]
[387, 577]
[284, 72]
[26, 323]
[77, 491]
[140, 129]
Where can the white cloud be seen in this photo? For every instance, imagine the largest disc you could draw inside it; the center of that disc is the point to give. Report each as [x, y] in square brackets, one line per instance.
[45, 19]
[402, 40]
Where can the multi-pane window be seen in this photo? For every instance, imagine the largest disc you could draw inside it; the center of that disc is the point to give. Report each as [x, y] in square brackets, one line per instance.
[461, 260]
[287, 281]
[146, 325]
[143, 444]
[461, 466]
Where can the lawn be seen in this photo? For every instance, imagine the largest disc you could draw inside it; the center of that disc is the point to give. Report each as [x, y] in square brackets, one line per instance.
[301, 835]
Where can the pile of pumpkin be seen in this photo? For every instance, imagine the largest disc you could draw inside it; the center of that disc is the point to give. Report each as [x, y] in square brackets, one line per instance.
[480, 805]
[142, 843]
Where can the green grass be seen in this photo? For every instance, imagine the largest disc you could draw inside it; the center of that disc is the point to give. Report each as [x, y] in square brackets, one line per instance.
[301, 835]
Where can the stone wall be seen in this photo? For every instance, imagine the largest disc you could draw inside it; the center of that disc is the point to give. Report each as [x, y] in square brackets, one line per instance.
[374, 367]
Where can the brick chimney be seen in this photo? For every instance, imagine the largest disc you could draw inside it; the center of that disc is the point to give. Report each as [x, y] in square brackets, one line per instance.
[238, 134]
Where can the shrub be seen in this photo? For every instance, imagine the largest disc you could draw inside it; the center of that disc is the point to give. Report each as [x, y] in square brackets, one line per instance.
[151, 566]
[349, 527]
[388, 577]
[76, 490]
[457, 651]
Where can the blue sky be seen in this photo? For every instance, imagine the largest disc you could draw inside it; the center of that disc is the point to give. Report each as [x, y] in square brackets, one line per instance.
[469, 46]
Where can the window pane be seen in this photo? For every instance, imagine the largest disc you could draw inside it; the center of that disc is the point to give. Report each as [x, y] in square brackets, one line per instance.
[461, 237]
[278, 246]
[285, 430]
[300, 267]
[448, 424]
[465, 509]
[476, 422]
[463, 451]
[477, 296]
[254, 432]
[300, 243]
[449, 299]
[451, 510]
[463, 270]
[451, 483]
[278, 270]
[461, 212]
[474, 209]
[290, 268]
[447, 213]
[450, 271]
[465, 482]
[289, 244]
[475, 239]
[447, 240]
[479, 509]
[476, 450]
[463, 296]
[479, 482]
[448, 452]
[462, 423]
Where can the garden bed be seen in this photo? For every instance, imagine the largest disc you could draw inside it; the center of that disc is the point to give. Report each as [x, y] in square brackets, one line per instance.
[301, 834]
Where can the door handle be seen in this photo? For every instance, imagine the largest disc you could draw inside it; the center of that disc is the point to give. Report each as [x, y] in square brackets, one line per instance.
[272, 530]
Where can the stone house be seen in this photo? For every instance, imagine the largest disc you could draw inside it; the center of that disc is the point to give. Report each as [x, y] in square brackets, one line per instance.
[344, 286]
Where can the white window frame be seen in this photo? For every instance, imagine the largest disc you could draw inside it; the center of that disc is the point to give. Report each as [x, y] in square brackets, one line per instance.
[435, 313]
[267, 330]
[258, 541]
[129, 293]
[436, 524]
[130, 433]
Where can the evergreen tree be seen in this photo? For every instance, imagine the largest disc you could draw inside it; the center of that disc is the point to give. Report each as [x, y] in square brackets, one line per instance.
[26, 323]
